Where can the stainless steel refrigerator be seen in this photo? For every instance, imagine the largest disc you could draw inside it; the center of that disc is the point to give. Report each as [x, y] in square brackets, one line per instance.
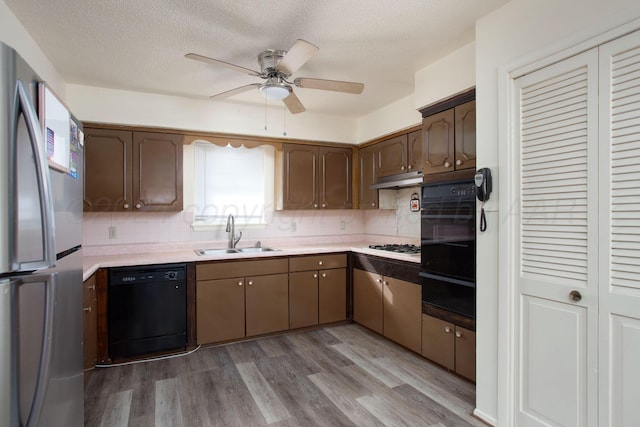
[41, 314]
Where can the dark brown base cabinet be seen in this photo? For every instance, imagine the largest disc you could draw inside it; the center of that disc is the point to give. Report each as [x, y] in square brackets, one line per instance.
[241, 298]
[449, 345]
[90, 323]
[132, 171]
[389, 306]
[317, 289]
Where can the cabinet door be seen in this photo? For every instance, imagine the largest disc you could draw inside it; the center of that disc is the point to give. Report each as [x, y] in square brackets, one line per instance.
[466, 353]
[465, 145]
[368, 169]
[107, 181]
[438, 142]
[220, 310]
[90, 323]
[392, 156]
[267, 304]
[332, 298]
[367, 299]
[438, 344]
[414, 151]
[335, 178]
[157, 171]
[300, 179]
[303, 299]
[402, 312]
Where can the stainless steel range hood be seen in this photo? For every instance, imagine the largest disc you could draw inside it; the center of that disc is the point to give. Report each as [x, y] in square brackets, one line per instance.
[409, 179]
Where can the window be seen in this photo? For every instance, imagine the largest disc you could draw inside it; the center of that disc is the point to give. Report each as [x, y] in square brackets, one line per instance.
[236, 181]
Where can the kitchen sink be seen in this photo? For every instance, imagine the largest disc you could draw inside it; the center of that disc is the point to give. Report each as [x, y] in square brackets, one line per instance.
[232, 251]
[250, 250]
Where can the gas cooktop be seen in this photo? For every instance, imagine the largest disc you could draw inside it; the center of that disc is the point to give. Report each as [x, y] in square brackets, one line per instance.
[399, 248]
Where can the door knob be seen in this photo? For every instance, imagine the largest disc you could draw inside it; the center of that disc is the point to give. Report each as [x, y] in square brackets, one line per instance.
[575, 296]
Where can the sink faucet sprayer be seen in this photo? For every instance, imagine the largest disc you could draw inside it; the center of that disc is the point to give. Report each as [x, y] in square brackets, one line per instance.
[231, 229]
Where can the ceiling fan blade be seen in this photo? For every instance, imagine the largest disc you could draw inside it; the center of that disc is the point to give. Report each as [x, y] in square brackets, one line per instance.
[235, 91]
[223, 63]
[296, 56]
[334, 85]
[293, 104]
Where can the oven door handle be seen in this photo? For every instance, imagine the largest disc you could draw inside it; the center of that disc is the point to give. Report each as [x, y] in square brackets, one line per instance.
[447, 279]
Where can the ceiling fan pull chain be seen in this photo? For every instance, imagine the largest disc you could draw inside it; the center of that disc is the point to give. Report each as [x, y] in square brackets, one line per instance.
[265, 113]
[284, 121]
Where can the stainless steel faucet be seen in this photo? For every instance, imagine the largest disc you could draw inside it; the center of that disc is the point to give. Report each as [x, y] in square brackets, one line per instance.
[231, 229]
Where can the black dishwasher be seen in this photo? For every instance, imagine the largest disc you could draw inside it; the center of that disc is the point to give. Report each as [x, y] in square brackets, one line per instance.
[147, 309]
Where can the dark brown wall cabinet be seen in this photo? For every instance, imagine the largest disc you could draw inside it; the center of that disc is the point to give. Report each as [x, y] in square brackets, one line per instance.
[132, 171]
[449, 139]
[399, 154]
[368, 158]
[316, 177]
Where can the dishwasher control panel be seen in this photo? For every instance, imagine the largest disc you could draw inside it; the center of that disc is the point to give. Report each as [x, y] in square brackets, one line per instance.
[147, 274]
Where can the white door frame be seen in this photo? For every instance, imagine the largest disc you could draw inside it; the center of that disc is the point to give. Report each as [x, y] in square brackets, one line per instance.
[508, 201]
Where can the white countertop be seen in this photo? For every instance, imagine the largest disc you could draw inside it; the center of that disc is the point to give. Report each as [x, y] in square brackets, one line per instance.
[172, 254]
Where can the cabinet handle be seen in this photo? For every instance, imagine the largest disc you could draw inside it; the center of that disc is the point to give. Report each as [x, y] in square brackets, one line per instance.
[402, 168]
[379, 280]
[458, 334]
[315, 275]
[447, 164]
[373, 205]
[409, 167]
[319, 262]
[138, 205]
[324, 205]
[87, 309]
[126, 206]
[324, 275]
[240, 283]
[315, 205]
[447, 329]
[385, 283]
[458, 162]
[250, 282]
[91, 287]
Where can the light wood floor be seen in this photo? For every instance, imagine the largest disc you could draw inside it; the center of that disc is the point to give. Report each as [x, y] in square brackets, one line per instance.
[336, 376]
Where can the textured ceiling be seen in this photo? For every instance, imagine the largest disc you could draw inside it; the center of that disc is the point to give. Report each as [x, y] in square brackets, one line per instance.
[140, 45]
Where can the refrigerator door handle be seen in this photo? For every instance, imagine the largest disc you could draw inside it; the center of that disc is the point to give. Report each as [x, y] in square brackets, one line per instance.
[23, 104]
[42, 378]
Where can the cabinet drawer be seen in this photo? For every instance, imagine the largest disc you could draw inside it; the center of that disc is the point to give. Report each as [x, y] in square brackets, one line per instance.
[317, 262]
[225, 269]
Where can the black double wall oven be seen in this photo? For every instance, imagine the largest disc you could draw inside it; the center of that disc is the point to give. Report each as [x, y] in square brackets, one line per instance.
[448, 246]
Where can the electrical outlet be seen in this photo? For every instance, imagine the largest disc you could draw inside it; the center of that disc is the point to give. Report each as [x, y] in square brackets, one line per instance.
[343, 225]
[112, 232]
[293, 226]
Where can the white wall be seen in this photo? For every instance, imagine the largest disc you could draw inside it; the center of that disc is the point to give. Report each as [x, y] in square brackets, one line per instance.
[146, 109]
[398, 115]
[449, 75]
[12, 33]
[521, 29]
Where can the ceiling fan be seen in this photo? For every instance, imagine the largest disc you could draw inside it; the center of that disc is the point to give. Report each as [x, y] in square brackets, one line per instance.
[276, 66]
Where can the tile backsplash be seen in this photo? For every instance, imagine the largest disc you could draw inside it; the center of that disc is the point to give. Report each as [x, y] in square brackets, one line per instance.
[155, 227]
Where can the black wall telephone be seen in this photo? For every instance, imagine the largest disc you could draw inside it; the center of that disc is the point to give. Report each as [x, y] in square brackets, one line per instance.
[483, 184]
[482, 179]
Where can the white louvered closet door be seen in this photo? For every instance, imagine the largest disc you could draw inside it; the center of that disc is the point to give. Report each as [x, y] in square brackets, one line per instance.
[620, 232]
[555, 272]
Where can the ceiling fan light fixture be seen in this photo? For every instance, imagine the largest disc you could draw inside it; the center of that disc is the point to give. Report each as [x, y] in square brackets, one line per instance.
[275, 91]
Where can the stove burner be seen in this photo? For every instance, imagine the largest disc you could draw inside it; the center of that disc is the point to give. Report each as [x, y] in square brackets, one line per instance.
[405, 249]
